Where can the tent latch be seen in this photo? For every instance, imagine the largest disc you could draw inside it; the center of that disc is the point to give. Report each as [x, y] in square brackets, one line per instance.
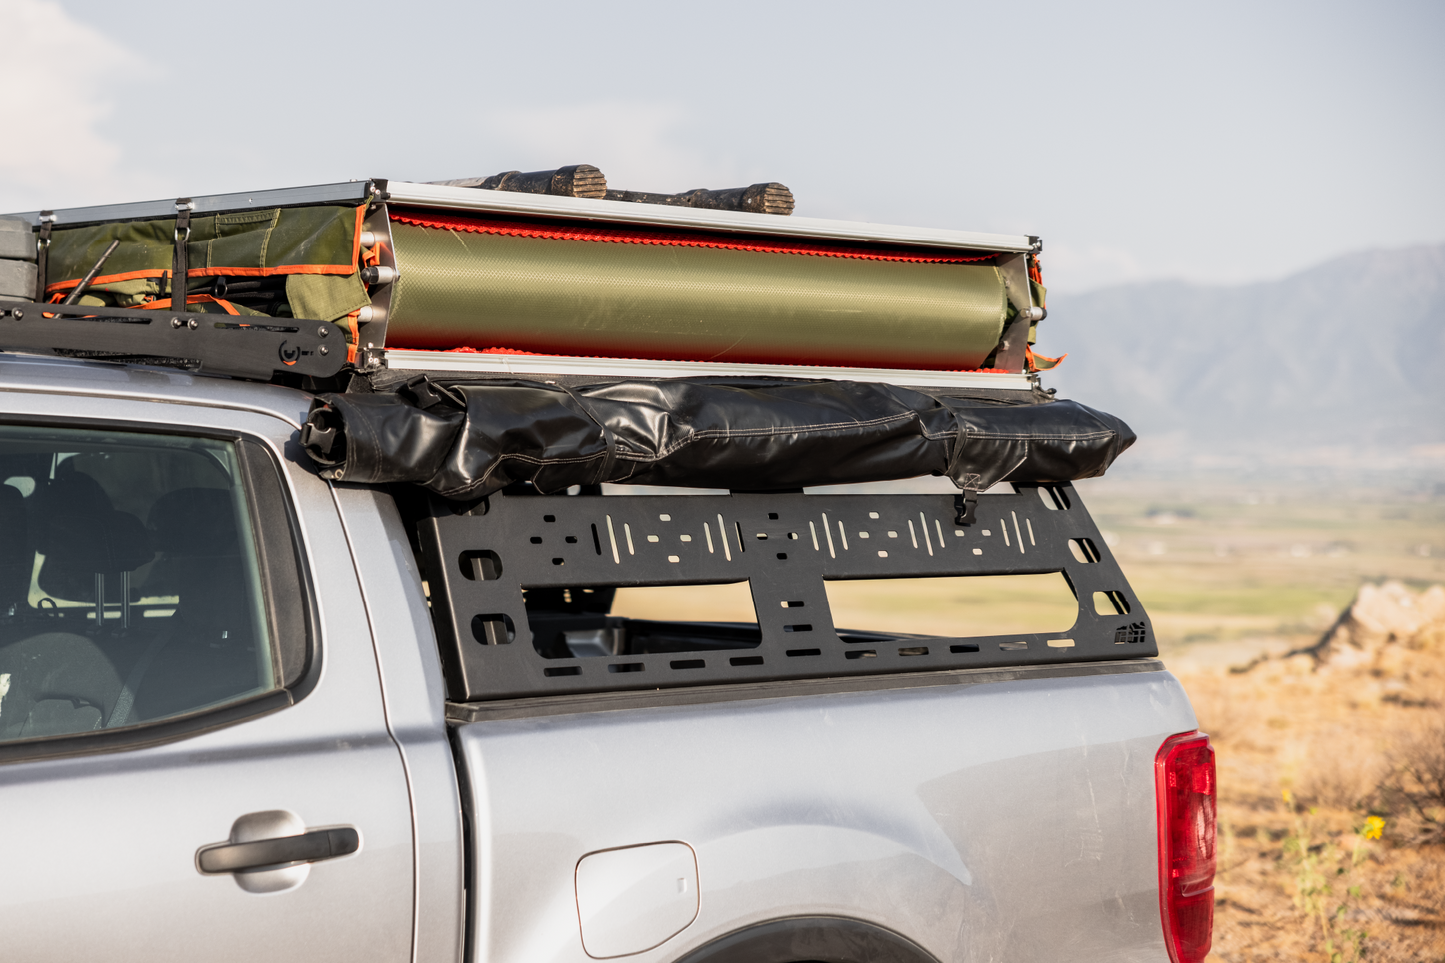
[178, 262]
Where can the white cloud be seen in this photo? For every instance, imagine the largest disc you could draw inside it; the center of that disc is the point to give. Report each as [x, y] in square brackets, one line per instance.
[59, 78]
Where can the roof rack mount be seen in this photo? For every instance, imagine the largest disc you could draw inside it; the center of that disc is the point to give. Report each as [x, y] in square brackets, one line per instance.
[210, 343]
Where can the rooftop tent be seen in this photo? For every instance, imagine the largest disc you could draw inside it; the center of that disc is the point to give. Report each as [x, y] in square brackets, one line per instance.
[698, 276]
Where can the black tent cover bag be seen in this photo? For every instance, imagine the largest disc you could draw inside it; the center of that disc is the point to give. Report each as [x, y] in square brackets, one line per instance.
[463, 441]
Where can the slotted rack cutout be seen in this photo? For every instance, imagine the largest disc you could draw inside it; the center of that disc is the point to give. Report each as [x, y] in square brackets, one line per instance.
[784, 546]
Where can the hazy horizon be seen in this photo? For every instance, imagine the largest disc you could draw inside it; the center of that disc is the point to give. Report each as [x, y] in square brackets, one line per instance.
[1217, 145]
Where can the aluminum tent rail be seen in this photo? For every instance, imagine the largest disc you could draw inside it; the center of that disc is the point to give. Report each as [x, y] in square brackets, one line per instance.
[543, 366]
[353, 191]
[542, 205]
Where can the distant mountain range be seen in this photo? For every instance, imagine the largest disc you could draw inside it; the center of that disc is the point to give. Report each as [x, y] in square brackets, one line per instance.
[1338, 367]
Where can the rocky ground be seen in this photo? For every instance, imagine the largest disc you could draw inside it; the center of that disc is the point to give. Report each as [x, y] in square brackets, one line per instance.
[1332, 788]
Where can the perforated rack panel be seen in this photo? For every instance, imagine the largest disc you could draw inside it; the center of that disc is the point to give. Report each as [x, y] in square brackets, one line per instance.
[785, 546]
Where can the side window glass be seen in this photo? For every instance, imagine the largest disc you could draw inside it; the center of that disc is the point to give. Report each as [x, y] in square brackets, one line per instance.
[130, 589]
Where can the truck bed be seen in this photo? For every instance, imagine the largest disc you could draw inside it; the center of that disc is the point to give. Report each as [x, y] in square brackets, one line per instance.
[979, 814]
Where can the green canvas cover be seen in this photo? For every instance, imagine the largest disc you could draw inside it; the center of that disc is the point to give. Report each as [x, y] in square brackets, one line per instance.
[325, 297]
[310, 242]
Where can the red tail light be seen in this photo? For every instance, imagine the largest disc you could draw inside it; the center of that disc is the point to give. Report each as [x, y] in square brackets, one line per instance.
[1184, 788]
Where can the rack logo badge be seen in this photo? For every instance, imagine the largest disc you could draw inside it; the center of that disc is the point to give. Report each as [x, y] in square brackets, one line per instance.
[1133, 632]
[290, 355]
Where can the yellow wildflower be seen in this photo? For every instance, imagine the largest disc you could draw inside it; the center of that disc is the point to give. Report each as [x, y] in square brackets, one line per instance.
[1373, 827]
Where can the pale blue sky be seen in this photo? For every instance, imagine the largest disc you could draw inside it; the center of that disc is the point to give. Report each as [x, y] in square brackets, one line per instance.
[1214, 141]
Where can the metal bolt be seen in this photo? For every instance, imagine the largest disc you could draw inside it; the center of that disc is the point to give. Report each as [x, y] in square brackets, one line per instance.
[18, 314]
[193, 324]
[176, 322]
[322, 331]
[324, 350]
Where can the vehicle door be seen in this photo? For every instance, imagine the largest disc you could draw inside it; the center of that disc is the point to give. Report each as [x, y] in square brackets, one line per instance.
[194, 756]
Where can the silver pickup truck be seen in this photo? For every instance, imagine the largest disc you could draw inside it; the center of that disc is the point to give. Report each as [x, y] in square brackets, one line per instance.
[251, 710]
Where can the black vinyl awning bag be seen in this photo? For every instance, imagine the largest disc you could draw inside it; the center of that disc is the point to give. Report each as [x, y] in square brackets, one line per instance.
[464, 441]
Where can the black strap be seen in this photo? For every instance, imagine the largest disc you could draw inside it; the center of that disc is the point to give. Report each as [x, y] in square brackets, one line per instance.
[178, 262]
[966, 502]
[965, 506]
[427, 394]
[47, 221]
[604, 470]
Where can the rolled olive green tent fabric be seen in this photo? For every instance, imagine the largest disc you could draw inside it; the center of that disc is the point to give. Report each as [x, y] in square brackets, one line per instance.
[627, 293]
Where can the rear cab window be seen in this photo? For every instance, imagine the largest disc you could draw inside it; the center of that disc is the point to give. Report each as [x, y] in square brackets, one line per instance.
[134, 571]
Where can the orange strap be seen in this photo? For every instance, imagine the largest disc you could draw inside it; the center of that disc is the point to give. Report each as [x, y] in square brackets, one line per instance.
[232, 271]
[342, 269]
[355, 329]
[227, 306]
[356, 234]
[638, 234]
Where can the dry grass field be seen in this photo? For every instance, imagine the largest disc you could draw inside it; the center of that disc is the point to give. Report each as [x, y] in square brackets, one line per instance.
[1331, 844]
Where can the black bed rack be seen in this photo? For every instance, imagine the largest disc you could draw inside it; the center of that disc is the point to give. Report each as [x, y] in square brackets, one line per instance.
[517, 581]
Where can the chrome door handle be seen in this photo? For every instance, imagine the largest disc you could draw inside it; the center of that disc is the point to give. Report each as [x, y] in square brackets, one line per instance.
[307, 847]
